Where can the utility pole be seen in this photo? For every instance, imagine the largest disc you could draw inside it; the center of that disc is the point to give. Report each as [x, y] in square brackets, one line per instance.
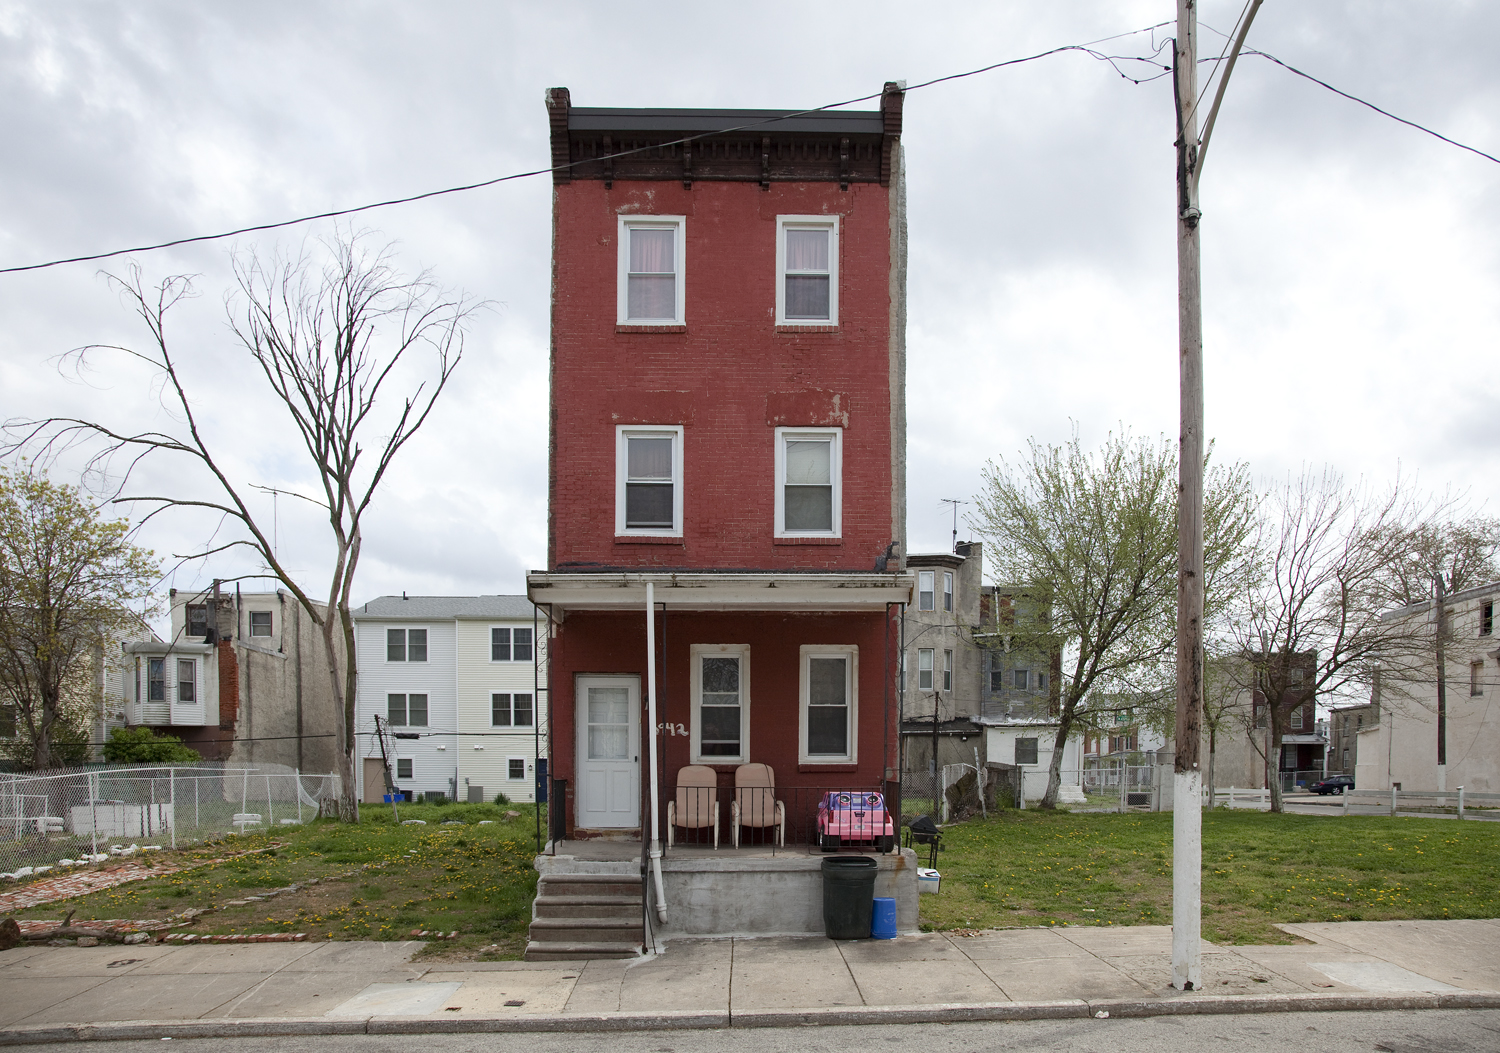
[1187, 777]
[1442, 683]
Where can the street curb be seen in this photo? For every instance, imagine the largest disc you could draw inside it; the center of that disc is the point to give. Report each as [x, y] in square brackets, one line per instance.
[939, 1013]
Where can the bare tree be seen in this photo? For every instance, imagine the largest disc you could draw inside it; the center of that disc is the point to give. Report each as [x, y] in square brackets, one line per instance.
[1313, 627]
[1093, 539]
[328, 338]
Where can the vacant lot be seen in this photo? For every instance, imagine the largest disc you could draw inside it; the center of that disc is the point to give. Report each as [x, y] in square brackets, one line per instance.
[469, 870]
[1030, 868]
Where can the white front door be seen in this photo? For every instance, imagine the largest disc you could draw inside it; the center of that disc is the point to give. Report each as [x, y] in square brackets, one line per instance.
[609, 753]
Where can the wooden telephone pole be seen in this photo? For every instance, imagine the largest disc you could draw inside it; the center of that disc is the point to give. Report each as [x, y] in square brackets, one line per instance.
[1187, 776]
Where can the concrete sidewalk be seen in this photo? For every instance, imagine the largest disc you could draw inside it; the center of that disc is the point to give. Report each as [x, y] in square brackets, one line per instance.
[69, 993]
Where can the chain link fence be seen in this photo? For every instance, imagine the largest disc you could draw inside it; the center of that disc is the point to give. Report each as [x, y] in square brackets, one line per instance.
[79, 816]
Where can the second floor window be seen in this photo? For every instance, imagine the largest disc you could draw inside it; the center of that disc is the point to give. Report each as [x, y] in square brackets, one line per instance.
[510, 645]
[187, 680]
[651, 270]
[808, 497]
[948, 591]
[648, 481]
[510, 711]
[406, 645]
[156, 680]
[1021, 679]
[197, 619]
[1486, 618]
[925, 592]
[924, 668]
[260, 623]
[406, 710]
[947, 670]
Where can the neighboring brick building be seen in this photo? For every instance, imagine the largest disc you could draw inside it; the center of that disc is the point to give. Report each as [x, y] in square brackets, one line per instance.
[727, 429]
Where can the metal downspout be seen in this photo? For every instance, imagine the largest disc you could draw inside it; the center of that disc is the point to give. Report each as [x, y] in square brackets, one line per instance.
[661, 900]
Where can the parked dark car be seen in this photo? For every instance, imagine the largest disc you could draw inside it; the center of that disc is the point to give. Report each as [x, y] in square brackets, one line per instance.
[1333, 784]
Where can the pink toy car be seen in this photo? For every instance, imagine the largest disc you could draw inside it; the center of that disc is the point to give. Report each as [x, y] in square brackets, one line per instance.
[854, 819]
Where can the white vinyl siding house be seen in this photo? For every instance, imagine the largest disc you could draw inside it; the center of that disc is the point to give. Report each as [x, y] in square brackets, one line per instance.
[474, 651]
[501, 712]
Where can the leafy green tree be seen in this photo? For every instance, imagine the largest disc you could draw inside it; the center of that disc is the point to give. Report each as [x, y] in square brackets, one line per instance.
[144, 746]
[68, 576]
[1092, 536]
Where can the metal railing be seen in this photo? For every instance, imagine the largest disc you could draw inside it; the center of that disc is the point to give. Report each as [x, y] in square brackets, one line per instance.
[81, 816]
[783, 816]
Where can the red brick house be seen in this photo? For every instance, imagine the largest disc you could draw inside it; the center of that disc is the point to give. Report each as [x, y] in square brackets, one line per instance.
[727, 447]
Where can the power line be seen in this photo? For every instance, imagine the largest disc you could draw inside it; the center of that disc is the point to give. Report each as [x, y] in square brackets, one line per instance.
[1087, 48]
[1364, 102]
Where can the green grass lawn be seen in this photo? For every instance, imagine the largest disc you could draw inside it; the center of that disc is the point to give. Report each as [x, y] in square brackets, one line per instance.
[1040, 868]
[375, 880]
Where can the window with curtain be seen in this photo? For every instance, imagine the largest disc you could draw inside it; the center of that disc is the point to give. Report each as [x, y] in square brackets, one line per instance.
[948, 591]
[807, 465]
[187, 680]
[651, 250]
[925, 590]
[807, 270]
[648, 480]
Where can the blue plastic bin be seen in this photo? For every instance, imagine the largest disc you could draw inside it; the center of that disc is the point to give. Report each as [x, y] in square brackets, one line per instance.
[883, 923]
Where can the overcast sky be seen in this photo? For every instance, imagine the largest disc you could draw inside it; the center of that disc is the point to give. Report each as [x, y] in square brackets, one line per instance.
[1350, 263]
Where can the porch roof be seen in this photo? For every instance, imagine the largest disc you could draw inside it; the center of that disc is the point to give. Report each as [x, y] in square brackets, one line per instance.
[718, 591]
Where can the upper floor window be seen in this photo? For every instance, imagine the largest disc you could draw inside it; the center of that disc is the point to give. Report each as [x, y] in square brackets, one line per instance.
[406, 645]
[510, 645]
[807, 270]
[156, 680]
[1476, 678]
[197, 619]
[1021, 679]
[948, 591]
[947, 670]
[260, 623]
[648, 481]
[406, 710]
[187, 680]
[1486, 618]
[651, 270]
[925, 591]
[1297, 718]
[997, 679]
[924, 668]
[510, 711]
[809, 463]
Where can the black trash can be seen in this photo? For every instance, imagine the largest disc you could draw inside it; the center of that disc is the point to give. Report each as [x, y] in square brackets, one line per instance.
[848, 896]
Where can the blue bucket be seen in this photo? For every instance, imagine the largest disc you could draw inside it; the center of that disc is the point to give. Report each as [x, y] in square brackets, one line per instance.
[883, 923]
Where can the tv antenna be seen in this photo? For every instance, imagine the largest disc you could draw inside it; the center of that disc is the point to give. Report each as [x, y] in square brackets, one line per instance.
[955, 502]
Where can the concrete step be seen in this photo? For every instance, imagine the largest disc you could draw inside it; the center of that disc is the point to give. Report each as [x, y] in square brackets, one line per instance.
[589, 885]
[562, 952]
[550, 906]
[578, 929]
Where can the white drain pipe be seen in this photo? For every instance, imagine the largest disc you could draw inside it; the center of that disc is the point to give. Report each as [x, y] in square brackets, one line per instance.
[661, 896]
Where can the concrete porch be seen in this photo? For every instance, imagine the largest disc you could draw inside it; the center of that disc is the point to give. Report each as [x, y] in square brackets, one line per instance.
[755, 890]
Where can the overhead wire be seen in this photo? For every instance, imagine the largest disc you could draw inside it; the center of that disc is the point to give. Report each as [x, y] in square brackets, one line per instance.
[1086, 48]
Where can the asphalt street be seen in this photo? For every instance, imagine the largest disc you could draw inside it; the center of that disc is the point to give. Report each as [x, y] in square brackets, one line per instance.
[1430, 1031]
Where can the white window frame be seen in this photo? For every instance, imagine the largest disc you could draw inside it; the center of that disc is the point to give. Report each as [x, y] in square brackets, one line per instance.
[411, 768]
[849, 652]
[622, 461]
[511, 630]
[405, 631]
[406, 709]
[948, 591]
[836, 474]
[830, 224]
[698, 652]
[947, 669]
[515, 760]
[926, 598]
[679, 255]
[270, 625]
[924, 668]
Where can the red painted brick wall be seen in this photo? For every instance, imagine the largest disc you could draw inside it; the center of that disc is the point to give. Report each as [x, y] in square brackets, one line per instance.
[730, 378]
[616, 644]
